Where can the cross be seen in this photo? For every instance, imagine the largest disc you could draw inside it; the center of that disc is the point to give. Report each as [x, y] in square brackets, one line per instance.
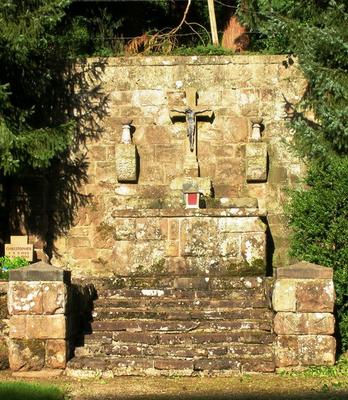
[191, 113]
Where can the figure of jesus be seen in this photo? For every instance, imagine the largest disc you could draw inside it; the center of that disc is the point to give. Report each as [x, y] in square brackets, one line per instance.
[190, 116]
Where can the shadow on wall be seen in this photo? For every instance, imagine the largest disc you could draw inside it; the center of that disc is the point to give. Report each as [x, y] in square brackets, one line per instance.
[44, 203]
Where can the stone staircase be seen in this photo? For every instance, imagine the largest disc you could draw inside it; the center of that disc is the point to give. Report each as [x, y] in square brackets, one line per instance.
[179, 326]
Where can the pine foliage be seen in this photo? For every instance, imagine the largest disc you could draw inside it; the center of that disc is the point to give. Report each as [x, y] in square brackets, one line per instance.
[29, 135]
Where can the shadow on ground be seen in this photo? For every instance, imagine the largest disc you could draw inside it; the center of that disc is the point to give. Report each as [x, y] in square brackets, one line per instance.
[227, 396]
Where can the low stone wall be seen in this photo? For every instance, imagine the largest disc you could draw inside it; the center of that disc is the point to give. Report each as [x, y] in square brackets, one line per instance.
[3, 326]
[303, 299]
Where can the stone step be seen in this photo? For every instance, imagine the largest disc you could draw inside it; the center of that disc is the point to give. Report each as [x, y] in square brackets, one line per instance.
[182, 294]
[111, 315]
[180, 326]
[139, 365]
[232, 350]
[106, 285]
[182, 338]
[256, 300]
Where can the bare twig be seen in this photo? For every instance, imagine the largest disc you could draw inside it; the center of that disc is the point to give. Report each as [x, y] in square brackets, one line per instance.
[173, 32]
[189, 24]
[164, 42]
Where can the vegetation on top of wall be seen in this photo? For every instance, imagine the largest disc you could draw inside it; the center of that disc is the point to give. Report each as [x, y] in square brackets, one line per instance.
[316, 33]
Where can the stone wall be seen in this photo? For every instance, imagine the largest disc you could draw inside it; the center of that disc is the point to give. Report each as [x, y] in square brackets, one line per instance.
[303, 299]
[145, 90]
[3, 325]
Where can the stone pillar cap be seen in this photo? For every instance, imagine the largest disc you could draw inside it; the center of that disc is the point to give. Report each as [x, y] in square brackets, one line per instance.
[305, 270]
[40, 271]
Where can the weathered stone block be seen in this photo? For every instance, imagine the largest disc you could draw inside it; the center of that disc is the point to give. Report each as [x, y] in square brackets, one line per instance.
[151, 97]
[84, 253]
[148, 229]
[26, 354]
[230, 245]
[125, 229]
[256, 162]
[309, 295]
[253, 248]
[173, 229]
[37, 297]
[242, 202]
[54, 298]
[172, 248]
[317, 295]
[304, 350]
[38, 327]
[284, 295]
[240, 224]
[56, 353]
[126, 163]
[25, 298]
[287, 323]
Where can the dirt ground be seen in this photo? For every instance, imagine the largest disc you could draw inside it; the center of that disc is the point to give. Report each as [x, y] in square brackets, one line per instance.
[245, 387]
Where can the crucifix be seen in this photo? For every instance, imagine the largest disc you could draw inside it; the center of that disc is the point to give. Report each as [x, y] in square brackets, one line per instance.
[191, 113]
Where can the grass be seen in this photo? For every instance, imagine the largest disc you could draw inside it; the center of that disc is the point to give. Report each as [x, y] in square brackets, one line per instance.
[337, 370]
[29, 391]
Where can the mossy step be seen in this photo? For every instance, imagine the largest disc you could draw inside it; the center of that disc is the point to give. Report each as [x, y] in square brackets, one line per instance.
[132, 365]
[233, 300]
[180, 326]
[208, 282]
[190, 337]
[231, 350]
[111, 315]
[182, 294]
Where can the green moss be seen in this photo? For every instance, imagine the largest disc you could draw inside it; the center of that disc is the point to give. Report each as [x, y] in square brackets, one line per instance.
[156, 204]
[158, 267]
[211, 202]
[257, 267]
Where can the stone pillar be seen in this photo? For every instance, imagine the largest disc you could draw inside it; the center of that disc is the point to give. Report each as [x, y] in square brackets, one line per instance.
[303, 299]
[37, 303]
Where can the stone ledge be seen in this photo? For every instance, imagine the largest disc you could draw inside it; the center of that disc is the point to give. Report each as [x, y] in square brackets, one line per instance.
[191, 60]
[305, 270]
[182, 212]
[40, 271]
